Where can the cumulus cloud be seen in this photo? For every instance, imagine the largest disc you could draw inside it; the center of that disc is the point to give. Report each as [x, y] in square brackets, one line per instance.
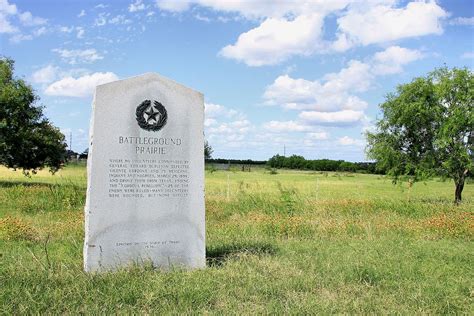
[335, 91]
[276, 39]
[370, 24]
[235, 137]
[209, 122]
[65, 29]
[212, 110]
[9, 13]
[6, 10]
[173, 5]
[101, 19]
[80, 32]
[468, 55]
[318, 136]
[225, 126]
[76, 56]
[462, 21]
[138, 5]
[329, 94]
[79, 87]
[237, 127]
[46, 74]
[27, 19]
[17, 38]
[119, 19]
[5, 25]
[348, 141]
[338, 118]
[391, 60]
[295, 28]
[258, 9]
[40, 31]
[287, 126]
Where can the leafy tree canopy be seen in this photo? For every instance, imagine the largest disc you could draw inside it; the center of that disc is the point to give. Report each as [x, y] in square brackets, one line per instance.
[28, 140]
[427, 128]
[207, 150]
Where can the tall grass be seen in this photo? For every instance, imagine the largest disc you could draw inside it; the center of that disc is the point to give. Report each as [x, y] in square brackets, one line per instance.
[290, 242]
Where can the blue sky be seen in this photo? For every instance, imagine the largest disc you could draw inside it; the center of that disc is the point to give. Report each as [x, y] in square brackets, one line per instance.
[305, 75]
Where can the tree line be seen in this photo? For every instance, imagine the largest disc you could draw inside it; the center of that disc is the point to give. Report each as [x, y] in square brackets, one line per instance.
[236, 161]
[300, 163]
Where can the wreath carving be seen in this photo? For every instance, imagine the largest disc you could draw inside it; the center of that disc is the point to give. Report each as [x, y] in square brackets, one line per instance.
[151, 117]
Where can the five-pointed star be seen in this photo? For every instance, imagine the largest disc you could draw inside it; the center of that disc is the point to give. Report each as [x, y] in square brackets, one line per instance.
[151, 114]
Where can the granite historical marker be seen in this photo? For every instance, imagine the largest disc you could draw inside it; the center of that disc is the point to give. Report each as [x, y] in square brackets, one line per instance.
[145, 191]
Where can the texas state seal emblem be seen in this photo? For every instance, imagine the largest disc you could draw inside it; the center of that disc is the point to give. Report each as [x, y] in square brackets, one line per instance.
[151, 116]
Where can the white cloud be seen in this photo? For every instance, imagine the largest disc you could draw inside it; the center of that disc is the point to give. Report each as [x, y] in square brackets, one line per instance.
[348, 141]
[212, 110]
[258, 9]
[231, 128]
[8, 11]
[65, 29]
[6, 26]
[46, 74]
[344, 117]
[468, 55]
[329, 94]
[119, 19]
[76, 56]
[138, 5]
[101, 20]
[27, 19]
[173, 5]
[225, 126]
[335, 91]
[291, 93]
[40, 31]
[355, 77]
[80, 32]
[391, 60]
[288, 28]
[294, 28]
[318, 136]
[210, 122]
[287, 126]
[369, 24]
[203, 18]
[276, 39]
[7, 8]
[17, 38]
[462, 21]
[79, 87]
[82, 13]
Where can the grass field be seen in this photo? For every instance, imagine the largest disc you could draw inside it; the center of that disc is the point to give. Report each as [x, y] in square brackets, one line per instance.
[292, 242]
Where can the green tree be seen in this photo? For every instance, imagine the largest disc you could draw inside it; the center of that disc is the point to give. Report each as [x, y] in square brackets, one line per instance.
[427, 129]
[207, 150]
[28, 140]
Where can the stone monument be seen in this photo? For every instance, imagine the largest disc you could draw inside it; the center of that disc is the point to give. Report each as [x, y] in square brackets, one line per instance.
[145, 172]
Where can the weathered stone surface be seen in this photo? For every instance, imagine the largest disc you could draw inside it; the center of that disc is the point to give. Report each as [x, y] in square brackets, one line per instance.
[145, 192]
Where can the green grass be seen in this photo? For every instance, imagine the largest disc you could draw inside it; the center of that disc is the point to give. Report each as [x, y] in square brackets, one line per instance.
[291, 242]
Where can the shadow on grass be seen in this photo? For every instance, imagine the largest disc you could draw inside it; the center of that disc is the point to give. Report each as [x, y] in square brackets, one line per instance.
[9, 184]
[217, 256]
